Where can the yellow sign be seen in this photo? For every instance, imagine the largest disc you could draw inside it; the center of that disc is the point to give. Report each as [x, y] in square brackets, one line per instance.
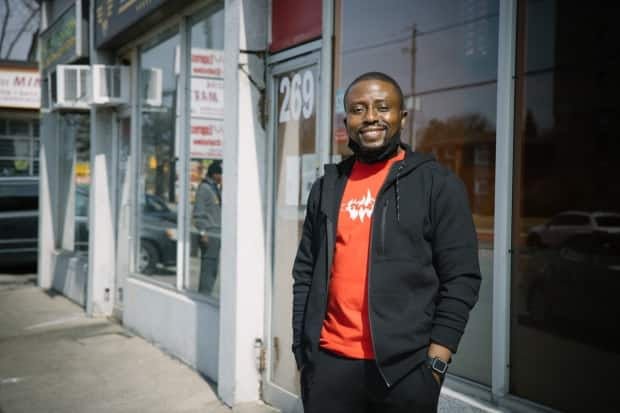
[82, 169]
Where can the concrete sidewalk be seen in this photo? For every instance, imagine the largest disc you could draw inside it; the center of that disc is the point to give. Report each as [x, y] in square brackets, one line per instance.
[55, 359]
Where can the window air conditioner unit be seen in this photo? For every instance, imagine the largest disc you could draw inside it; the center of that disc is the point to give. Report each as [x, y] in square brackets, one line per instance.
[70, 87]
[110, 85]
[151, 87]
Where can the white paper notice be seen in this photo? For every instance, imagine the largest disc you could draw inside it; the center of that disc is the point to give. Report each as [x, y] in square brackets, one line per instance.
[207, 98]
[292, 180]
[309, 168]
[207, 62]
[207, 137]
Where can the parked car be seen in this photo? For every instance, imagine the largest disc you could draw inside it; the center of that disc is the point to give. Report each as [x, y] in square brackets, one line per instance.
[567, 224]
[19, 213]
[576, 281]
[19, 217]
[157, 231]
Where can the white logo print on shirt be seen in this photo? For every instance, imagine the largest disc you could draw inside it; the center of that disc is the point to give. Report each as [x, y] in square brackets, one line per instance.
[360, 208]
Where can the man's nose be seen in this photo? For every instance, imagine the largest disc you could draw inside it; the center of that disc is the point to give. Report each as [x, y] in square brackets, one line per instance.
[371, 115]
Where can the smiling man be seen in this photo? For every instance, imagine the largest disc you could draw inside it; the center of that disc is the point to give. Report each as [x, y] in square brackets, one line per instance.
[387, 268]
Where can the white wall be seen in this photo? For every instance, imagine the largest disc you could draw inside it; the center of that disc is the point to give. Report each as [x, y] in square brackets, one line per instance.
[184, 327]
[48, 199]
[243, 207]
[101, 237]
[100, 285]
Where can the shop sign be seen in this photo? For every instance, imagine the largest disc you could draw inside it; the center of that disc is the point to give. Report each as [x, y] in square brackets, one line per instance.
[66, 39]
[294, 22]
[114, 16]
[207, 62]
[207, 137]
[20, 88]
[207, 98]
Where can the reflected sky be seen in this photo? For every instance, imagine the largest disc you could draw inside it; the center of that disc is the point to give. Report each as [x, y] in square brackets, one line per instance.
[162, 55]
[455, 47]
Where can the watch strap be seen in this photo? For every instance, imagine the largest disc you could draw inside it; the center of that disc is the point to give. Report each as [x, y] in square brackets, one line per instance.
[438, 365]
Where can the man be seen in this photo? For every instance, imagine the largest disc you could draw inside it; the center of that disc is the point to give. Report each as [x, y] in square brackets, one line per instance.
[208, 220]
[387, 268]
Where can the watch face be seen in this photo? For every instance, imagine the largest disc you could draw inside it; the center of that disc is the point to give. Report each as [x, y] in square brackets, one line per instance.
[440, 365]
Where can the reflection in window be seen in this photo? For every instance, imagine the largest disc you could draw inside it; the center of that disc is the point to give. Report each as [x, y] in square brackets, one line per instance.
[157, 183]
[74, 130]
[19, 147]
[206, 141]
[566, 207]
[444, 56]
[611, 221]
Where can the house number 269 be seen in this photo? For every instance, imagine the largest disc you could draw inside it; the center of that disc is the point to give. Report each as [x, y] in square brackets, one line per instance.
[298, 98]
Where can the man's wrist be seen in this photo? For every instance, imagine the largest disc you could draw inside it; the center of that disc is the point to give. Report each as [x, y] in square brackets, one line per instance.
[439, 351]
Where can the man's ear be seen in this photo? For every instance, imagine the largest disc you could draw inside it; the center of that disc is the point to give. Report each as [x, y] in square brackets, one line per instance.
[403, 120]
[345, 122]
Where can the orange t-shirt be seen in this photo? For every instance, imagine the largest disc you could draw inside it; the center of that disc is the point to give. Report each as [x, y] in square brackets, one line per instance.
[346, 329]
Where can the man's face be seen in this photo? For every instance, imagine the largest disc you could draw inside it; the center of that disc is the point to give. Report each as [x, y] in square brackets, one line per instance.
[217, 178]
[373, 113]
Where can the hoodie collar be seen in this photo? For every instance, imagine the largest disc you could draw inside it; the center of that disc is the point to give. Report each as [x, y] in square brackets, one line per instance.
[336, 176]
[411, 161]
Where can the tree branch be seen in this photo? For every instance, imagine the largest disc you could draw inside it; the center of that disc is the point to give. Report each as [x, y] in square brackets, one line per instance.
[4, 23]
[21, 31]
[29, 5]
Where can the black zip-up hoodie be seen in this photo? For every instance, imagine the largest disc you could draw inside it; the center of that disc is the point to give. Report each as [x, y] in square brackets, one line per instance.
[423, 271]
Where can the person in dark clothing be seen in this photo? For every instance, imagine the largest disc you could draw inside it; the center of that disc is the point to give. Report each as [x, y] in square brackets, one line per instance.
[208, 220]
[386, 271]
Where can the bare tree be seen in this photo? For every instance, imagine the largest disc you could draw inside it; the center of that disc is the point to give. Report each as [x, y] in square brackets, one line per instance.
[5, 22]
[32, 8]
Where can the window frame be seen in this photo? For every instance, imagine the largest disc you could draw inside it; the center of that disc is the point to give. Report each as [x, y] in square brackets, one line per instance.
[181, 23]
[32, 139]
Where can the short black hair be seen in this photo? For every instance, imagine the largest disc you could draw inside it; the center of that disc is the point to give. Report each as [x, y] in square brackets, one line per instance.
[376, 76]
[214, 168]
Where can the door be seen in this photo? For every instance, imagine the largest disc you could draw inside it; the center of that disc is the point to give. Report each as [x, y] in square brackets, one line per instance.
[123, 241]
[295, 161]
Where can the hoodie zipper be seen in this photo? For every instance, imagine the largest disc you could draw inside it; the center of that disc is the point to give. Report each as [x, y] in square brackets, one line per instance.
[383, 223]
[372, 337]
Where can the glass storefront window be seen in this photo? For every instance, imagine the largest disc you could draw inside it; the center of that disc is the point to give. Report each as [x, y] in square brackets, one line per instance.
[444, 56]
[19, 146]
[82, 176]
[75, 177]
[206, 140]
[566, 207]
[157, 182]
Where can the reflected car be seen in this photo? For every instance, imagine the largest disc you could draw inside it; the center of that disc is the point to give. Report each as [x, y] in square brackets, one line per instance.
[157, 231]
[576, 282]
[19, 217]
[567, 224]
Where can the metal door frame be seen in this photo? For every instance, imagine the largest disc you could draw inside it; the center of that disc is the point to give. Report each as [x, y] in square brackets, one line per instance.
[120, 211]
[303, 56]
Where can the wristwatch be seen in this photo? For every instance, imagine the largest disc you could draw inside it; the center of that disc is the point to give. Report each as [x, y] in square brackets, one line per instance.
[438, 365]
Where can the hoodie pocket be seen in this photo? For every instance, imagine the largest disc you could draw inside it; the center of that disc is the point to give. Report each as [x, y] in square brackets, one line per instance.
[383, 226]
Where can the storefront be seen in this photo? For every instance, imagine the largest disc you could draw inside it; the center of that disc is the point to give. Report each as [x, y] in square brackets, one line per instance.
[19, 162]
[65, 173]
[20, 86]
[206, 123]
